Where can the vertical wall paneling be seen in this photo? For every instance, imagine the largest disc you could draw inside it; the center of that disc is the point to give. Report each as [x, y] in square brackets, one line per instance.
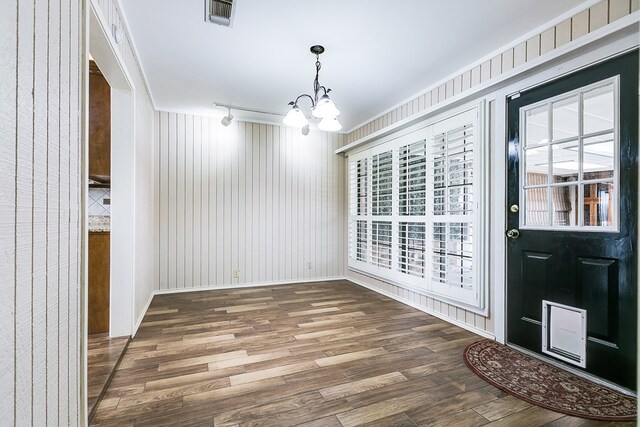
[188, 201]
[197, 199]
[580, 24]
[40, 81]
[618, 9]
[248, 202]
[256, 198]
[181, 196]
[269, 194]
[211, 202]
[241, 237]
[222, 151]
[39, 195]
[162, 124]
[24, 213]
[53, 211]
[64, 204]
[76, 248]
[8, 224]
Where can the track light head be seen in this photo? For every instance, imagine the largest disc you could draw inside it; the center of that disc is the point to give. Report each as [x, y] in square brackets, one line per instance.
[226, 120]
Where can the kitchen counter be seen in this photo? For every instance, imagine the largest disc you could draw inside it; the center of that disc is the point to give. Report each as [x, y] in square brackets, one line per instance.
[101, 223]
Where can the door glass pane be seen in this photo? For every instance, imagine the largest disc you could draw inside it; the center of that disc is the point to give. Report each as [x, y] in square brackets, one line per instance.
[565, 162]
[565, 118]
[598, 204]
[537, 130]
[537, 206]
[598, 109]
[564, 201]
[537, 165]
[598, 157]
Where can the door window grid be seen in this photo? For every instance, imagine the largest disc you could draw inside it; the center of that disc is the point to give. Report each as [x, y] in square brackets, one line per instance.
[403, 214]
[576, 185]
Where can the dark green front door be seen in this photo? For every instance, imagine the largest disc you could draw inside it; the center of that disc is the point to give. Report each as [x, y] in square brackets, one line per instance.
[573, 209]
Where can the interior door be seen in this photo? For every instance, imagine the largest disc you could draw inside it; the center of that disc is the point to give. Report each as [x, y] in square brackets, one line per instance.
[572, 218]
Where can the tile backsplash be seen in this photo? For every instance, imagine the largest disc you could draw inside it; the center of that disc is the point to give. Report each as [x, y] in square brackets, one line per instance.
[99, 201]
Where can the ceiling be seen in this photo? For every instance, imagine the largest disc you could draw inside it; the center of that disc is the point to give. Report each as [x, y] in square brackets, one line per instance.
[378, 53]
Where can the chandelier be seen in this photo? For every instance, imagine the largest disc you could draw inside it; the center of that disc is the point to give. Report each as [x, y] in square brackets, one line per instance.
[322, 108]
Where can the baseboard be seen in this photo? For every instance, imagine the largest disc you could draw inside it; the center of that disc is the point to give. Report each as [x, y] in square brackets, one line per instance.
[447, 319]
[247, 285]
[141, 317]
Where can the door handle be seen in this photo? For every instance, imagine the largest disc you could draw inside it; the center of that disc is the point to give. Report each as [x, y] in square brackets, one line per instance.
[513, 233]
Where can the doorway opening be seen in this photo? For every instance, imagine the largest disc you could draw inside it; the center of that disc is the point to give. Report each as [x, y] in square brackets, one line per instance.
[110, 209]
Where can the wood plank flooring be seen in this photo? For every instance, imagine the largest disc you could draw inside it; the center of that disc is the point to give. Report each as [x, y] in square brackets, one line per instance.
[321, 354]
[103, 355]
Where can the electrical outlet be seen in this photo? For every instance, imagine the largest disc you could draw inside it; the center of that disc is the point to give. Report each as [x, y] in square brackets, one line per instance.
[309, 265]
[236, 274]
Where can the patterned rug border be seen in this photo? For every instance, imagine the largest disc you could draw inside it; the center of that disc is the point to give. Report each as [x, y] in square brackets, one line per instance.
[535, 402]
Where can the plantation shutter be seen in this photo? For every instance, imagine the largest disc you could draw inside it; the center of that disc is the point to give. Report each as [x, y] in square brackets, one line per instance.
[452, 161]
[358, 203]
[416, 210]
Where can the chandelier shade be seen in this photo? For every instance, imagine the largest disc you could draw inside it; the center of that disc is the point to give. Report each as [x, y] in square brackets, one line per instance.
[295, 118]
[325, 108]
[330, 125]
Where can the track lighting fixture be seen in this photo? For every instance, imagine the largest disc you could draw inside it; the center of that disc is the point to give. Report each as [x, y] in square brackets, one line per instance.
[226, 120]
[322, 108]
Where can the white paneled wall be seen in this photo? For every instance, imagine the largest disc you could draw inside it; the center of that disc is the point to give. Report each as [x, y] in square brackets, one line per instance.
[40, 222]
[260, 199]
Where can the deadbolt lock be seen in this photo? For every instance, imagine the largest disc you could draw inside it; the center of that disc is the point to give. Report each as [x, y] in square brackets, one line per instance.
[514, 208]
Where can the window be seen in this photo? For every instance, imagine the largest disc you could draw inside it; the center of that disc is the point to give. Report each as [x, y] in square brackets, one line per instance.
[570, 152]
[421, 210]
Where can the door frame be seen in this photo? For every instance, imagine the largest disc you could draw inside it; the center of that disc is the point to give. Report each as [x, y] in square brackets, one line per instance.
[97, 39]
[122, 248]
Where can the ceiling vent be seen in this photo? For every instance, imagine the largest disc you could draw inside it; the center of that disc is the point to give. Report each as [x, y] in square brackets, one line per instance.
[219, 12]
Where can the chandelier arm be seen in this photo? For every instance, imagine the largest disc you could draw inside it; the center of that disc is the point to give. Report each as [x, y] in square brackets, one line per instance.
[313, 104]
[324, 89]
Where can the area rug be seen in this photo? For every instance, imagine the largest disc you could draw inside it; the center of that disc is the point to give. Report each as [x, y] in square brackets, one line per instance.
[545, 385]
